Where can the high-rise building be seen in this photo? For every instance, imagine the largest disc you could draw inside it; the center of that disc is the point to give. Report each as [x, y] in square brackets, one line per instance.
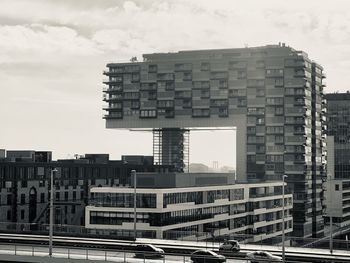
[273, 95]
[338, 159]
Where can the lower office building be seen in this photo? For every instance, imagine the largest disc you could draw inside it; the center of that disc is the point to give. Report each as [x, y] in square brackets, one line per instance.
[191, 206]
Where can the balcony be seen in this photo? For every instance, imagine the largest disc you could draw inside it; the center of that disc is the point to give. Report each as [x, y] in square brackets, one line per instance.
[110, 90]
[294, 63]
[113, 80]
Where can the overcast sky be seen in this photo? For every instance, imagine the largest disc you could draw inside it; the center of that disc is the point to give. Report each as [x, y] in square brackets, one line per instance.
[52, 54]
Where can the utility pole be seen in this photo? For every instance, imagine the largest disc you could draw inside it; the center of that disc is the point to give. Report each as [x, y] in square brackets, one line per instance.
[133, 173]
[283, 235]
[51, 210]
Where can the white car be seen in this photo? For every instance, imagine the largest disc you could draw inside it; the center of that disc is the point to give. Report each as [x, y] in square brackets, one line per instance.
[263, 256]
[230, 246]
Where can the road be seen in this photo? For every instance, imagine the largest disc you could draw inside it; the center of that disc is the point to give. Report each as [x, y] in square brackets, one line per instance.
[77, 253]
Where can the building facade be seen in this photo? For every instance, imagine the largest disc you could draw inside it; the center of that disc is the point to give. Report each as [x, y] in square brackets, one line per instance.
[273, 95]
[200, 211]
[25, 185]
[338, 165]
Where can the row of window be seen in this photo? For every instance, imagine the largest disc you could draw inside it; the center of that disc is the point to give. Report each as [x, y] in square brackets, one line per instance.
[205, 66]
[198, 197]
[123, 200]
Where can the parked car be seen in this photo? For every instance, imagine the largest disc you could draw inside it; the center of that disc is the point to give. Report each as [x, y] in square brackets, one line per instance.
[263, 256]
[207, 256]
[230, 246]
[148, 251]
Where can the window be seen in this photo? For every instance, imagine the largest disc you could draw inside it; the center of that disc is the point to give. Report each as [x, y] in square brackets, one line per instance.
[169, 85]
[274, 101]
[148, 114]
[9, 215]
[24, 184]
[183, 66]
[165, 103]
[57, 196]
[187, 76]
[260, 120]
[22, 214]
[42, 198]
[222, 84]
[337, 187]
[242, 102]
[279, 111]
[200, 112]
[205, 94]
[152, 68]
[260, 92]
[131, 95]
[23, 199]
[9, 199]
[223, 112]
[135, 77]
[41, 183]
[205, 66]
[274, 129]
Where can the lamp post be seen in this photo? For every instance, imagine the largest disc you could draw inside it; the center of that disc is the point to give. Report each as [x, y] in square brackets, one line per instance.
[51, 211]
[283, 235]
[133, 173]
[330, 189]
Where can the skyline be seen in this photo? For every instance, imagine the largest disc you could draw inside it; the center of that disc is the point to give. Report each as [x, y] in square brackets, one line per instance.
[52, 56]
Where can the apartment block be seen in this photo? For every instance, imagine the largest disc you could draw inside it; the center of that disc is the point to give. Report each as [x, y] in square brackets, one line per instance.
[272, 94]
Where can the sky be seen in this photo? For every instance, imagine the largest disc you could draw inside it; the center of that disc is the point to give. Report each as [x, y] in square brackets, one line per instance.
[52, 54]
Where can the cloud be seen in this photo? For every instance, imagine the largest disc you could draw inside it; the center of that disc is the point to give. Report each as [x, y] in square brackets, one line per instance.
[42, 39]
[56, 50]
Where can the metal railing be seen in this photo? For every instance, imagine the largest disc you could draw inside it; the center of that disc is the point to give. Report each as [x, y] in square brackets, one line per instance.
[99, 255]
[216, 236]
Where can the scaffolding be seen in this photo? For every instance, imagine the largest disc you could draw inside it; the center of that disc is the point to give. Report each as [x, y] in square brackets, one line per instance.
[171, 147]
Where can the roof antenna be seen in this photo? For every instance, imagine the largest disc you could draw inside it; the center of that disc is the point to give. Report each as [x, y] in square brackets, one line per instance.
[246, 45]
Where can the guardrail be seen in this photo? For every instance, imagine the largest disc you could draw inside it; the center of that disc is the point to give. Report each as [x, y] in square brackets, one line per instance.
[100, 255]
[124, 256]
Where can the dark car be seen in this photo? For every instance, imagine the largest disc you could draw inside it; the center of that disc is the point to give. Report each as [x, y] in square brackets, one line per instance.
[230, 246]
[207, 256]
[148, 251]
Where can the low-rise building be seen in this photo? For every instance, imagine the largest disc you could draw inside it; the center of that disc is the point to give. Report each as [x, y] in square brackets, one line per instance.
[191, 205]
[25, 185]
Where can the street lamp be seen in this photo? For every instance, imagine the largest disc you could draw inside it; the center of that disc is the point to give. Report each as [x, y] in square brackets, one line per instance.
[51, 211]
[283, 235]
[330, 189]
[133, 173]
